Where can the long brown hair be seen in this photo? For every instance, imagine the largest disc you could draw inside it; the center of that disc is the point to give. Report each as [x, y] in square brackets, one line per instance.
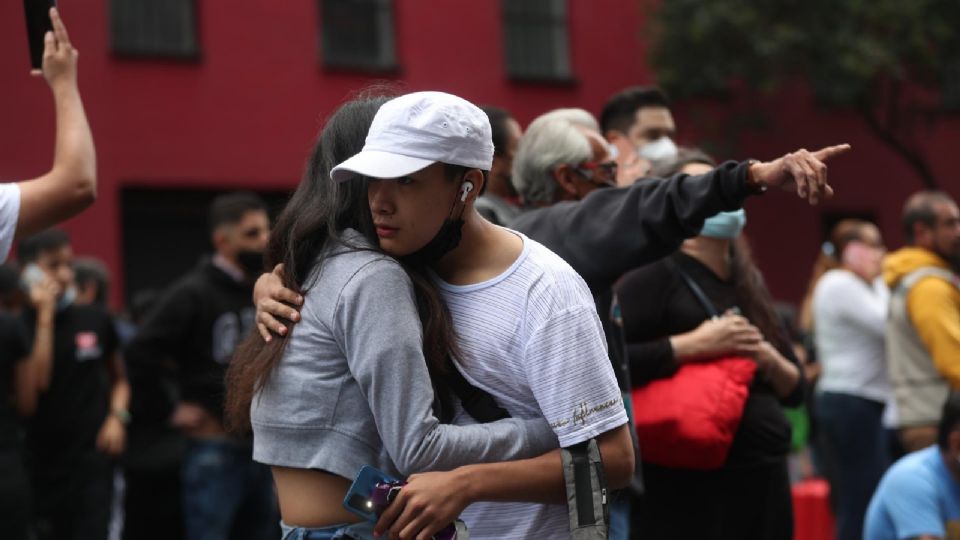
[753, 297]
[314, 218]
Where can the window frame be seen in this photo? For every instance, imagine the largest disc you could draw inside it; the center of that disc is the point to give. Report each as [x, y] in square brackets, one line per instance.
[386, 61]
[557, 15]
[191, 52]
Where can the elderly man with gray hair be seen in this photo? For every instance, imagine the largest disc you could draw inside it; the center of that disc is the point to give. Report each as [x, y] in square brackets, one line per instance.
[562, 161]
[562, 157]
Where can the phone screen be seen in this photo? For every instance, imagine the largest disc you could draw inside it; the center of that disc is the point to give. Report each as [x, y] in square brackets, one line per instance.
[32, 274]
[38, 24]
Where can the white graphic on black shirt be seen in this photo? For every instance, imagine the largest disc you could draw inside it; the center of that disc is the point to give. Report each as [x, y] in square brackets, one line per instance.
[228, 330]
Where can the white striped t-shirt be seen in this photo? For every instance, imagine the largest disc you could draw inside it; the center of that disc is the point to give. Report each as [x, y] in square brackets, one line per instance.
[531, 338]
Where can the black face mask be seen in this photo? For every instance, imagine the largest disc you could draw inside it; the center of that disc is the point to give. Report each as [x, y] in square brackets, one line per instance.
[251, 262]
[446, 240]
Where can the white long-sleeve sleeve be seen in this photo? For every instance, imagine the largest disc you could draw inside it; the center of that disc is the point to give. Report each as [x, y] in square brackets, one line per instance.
[849, 324]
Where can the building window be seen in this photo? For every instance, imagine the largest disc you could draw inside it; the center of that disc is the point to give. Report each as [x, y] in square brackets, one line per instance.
[157, 28]
[357, 34]
[536, 41]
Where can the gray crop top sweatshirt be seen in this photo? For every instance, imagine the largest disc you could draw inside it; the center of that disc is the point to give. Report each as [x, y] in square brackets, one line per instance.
[352, 387]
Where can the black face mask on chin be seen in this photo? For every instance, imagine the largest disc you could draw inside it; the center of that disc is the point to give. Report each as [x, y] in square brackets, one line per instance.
[446, 240]
[251, 262]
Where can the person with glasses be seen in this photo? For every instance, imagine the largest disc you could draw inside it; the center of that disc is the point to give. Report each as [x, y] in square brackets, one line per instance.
[562, 157]
[189, 338]
[923, 328]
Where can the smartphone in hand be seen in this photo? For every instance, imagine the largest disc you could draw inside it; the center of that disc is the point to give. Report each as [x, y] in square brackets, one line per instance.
[38, 24]
[370, 493]
[32, 275]
[373, 490]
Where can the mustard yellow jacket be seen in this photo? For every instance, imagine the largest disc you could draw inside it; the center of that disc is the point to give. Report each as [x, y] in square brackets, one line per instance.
[933, 305]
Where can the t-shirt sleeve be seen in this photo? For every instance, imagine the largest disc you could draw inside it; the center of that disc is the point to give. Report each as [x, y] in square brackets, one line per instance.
[912, 505]
[570, 375]
[9, 214]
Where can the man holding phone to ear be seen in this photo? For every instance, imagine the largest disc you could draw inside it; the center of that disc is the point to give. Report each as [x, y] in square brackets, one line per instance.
[70, 186]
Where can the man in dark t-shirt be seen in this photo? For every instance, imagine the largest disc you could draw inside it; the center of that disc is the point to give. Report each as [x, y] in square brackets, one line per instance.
[79, 424]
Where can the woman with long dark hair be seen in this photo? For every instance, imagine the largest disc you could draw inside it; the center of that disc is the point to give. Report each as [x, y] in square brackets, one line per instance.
[667, 325]
[350, 385]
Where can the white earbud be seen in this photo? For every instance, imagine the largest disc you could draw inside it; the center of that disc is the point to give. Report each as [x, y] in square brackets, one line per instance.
[465, 191]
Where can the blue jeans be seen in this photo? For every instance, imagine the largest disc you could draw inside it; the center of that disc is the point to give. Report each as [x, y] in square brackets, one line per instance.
[856, 443]
[226, 495]
[619, 526]
[357, 531]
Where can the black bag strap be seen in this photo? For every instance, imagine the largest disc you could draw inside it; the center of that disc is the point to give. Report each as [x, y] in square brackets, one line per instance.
[478, 403]
[696, 290]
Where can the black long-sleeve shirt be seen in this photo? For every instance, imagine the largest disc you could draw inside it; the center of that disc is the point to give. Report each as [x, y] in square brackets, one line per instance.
[655, 304]
[612, 231]
[193, 332]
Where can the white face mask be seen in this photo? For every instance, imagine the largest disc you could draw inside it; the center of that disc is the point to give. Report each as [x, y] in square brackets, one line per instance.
[661, 149]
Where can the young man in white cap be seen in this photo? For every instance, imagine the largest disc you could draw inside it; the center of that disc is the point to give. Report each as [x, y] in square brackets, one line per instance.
[527, 327]
[526, 323]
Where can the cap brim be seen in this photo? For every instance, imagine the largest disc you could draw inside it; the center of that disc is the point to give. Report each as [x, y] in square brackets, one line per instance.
[378, 164]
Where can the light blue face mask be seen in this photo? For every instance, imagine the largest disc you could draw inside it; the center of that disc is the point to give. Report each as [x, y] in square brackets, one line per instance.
[67, 299]
[725, 225]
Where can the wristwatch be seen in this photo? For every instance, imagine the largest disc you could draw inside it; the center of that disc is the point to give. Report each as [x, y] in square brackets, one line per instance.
[122, 415]
[754, 186]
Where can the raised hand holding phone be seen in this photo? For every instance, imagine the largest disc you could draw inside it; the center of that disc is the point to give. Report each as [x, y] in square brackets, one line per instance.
[59, 64]
[38, 24]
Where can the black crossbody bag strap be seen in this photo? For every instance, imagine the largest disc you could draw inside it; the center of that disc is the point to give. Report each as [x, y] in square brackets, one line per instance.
[695, 289]
[478, 403]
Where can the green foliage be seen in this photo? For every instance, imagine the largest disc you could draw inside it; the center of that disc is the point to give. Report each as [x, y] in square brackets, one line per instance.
[844, 48]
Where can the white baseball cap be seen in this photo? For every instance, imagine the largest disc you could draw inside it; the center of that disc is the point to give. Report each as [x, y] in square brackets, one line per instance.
[416, 130]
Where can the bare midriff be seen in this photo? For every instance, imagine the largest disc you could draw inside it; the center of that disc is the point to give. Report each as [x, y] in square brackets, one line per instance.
[310, 498]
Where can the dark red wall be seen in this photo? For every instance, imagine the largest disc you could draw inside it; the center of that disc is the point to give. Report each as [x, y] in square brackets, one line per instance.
[246, 115]
[786, 232]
